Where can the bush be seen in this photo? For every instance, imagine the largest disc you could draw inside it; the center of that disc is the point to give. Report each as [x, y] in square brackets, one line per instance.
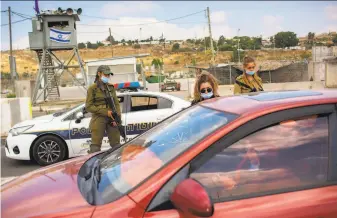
[11, 95]
[136, 46]
[63, 85]
[185, 50]
[226, 48]
[176, 62]
[175, 47]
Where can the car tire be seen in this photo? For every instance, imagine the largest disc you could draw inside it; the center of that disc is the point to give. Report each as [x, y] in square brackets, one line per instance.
[48, 150]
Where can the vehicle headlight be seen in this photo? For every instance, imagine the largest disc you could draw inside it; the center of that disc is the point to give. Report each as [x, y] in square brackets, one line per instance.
[19, 130]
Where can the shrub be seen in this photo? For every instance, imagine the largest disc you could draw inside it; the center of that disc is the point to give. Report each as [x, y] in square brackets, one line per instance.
[11, 95]
[63, 85]
[137, 46]
[176, 62]
[175, 47]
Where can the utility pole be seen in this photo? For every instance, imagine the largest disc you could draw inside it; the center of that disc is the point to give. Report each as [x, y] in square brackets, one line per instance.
[112, 50]
[210, 34]
[239, 45]
[11, 64]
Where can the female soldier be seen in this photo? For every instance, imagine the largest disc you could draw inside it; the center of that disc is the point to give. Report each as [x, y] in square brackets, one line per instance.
[249, 81]
[101, 120]
[206, 87]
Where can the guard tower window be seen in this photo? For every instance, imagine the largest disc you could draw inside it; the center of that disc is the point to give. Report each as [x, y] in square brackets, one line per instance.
[58, 24]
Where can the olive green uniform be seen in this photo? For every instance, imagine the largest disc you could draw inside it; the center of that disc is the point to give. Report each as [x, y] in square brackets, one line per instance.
[243, 85]
[100, 122]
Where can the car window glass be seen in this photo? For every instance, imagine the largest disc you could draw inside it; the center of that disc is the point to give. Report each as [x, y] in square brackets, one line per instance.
[290, 155]
[164, 103]
[140, 103]
[121, 103]
[142, 156]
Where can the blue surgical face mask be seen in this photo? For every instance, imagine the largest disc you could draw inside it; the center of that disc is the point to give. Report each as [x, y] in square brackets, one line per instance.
[207, 95]
[250, 73]
[105, 79]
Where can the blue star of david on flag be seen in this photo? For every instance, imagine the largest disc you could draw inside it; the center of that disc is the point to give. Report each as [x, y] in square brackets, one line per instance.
[60, 36]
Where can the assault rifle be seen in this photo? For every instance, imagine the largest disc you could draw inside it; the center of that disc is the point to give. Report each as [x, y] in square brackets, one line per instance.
[116, 117]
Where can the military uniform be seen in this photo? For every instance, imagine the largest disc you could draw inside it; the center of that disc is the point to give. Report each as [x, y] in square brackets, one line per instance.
[100, 122]
[243, 85]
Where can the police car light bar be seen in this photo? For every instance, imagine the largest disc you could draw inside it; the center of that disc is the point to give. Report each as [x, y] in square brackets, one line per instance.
[127, 85]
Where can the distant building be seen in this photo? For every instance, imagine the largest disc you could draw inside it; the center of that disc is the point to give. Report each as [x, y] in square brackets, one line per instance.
[123, 67]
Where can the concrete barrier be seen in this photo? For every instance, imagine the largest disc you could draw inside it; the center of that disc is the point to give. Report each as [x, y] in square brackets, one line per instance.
[13, 111]
[229, 89]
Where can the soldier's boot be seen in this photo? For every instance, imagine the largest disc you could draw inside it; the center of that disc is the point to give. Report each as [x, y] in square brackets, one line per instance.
[93, 149]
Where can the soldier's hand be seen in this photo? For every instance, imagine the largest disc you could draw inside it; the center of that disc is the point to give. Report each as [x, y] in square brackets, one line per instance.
[110, 114]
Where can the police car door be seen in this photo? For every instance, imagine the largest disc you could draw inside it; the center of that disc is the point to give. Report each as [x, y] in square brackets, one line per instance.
[80, 135]
[144, 111]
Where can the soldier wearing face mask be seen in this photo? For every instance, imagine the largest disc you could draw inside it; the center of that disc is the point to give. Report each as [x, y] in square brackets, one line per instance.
[249, 81]
[206, 87]
[96, 104]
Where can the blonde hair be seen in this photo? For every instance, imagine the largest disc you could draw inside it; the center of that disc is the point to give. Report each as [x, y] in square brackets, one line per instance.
[247, 60]
[203, 78]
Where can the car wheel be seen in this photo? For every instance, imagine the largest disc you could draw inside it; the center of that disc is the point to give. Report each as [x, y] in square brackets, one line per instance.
[49, 150]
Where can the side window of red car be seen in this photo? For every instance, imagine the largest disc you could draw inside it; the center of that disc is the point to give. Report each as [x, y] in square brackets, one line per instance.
[283, 157]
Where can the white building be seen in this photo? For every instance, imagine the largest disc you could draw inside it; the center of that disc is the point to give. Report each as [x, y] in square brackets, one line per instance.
[123, 67]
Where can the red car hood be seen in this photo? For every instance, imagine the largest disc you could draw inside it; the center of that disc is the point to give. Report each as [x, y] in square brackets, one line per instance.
[48, 191]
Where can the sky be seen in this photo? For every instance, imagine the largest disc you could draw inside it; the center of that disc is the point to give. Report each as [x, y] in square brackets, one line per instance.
[251, 18]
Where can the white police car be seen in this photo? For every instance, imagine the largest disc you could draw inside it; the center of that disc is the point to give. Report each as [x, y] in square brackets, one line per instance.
[53, 138]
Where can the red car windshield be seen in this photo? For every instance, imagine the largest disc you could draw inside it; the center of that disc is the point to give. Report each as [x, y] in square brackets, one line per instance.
[138, 159]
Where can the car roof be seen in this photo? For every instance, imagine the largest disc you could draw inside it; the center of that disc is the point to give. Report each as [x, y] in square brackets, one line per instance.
[255, 102]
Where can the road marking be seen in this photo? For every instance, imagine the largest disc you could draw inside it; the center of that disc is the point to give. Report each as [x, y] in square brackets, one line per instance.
[5, 180]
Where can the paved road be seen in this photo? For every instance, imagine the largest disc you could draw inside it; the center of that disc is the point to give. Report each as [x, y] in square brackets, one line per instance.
[11, 167]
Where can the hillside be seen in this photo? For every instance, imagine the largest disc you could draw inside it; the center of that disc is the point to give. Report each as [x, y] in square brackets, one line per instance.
[27, 61]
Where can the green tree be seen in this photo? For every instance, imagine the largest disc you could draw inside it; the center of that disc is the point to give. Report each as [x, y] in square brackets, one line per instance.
[335, 40]
[89, 45]
[157, 63]
[81, 45]
[208, 43]
[175, 47]
[108, 39]
[123, 41]
[130, 42]
[99, 44]
[221, 41]
[226, 47]
[191, 41]
[235, 57]
[286, 39]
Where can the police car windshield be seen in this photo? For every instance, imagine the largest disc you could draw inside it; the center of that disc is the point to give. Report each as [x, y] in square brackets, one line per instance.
[138, 159]
[65, 110]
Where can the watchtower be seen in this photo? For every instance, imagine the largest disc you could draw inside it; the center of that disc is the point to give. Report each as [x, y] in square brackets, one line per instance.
[54, 31]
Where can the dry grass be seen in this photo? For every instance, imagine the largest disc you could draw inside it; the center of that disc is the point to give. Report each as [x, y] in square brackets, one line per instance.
[27, 60]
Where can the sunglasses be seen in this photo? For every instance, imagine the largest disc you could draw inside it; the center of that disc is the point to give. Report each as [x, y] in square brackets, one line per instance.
[204, 90]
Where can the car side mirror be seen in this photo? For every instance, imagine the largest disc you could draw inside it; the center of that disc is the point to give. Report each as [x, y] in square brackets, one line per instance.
[79, 117]
[191, 198]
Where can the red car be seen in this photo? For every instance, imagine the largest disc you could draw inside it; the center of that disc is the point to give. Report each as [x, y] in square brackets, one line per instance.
[271, 154]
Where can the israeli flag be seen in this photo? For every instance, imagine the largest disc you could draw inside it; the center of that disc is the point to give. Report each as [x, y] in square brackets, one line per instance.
[60, 36]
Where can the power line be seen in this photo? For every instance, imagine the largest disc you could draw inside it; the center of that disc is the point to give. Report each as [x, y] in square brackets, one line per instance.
[16, 22]
[25, 15]
[21, 15]
[142, 24]
[4, 11]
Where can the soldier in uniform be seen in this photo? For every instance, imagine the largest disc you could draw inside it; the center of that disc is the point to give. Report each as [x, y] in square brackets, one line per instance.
[100, 122]
[249, 81]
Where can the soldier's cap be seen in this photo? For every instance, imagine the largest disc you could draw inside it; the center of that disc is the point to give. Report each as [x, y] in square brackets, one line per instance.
[104, 69]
